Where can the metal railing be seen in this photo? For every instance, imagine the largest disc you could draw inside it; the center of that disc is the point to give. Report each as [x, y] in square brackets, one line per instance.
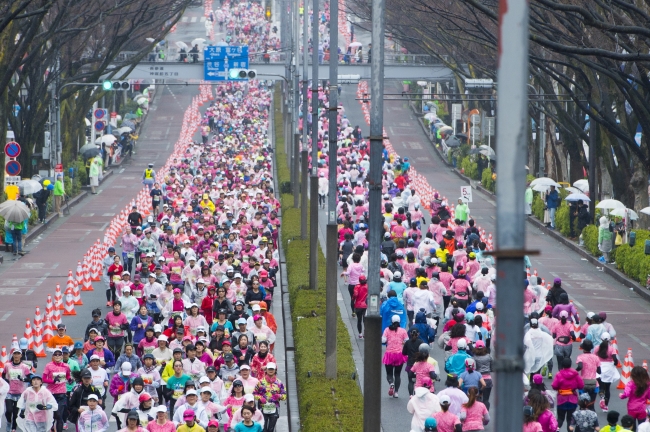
[172, 54]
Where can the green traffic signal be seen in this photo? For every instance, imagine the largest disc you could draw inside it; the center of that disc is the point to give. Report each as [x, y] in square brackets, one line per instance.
[107, 85]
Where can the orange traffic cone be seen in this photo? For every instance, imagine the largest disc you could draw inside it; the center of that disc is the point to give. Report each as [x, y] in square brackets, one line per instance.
[4, 358]
[69, 303]
[78, 274]
[56, 319]
[70, 283]
[48, 329]
[58, 298]
[38, 320]
[614, 346]
[28, 334]
[39, 351]
[49, 305]
[76, 292]
[576, 331]
[87, 284]
[627, 370]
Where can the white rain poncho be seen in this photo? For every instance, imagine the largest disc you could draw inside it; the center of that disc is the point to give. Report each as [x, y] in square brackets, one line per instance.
[4, 389]
[36, 420]
[538, 350]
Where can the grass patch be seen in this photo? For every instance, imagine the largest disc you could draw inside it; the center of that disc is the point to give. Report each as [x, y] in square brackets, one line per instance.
[325, 405]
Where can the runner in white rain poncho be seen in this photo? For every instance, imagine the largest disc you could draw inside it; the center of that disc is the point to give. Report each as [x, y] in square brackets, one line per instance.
[538, 346]
[37, 407]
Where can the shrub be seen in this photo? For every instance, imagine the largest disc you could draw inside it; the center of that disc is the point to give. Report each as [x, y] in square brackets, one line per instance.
[562, 223]
[590, 237]
[486, 180]
[538, 207]
[325, 405]
[469, 167]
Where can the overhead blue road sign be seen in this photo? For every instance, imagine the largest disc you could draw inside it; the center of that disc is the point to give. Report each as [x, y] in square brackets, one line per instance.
[219, 59]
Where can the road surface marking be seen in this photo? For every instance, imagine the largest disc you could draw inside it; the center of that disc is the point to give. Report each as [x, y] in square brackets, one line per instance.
[185, 19]
[5, 316]
[122, 170]
[88, 215]
[8, 291]
[639, 341]
[193, 19]
[108, 214]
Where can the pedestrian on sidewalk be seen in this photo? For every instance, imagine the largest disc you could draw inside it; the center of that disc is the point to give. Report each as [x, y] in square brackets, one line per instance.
[604, 238]
[528, 199]
[93, 173]
[41, 200]
[359, 296]
[16, 229]
[552, 203]
[59, 194]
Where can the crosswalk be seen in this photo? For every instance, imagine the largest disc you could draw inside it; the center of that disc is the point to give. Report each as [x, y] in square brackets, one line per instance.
[193, 19]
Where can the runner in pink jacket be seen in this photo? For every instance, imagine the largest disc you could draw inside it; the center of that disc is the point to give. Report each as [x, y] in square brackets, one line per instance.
[637, 392]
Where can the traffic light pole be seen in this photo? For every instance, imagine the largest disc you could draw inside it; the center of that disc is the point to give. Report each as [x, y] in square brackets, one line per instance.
[313, 222]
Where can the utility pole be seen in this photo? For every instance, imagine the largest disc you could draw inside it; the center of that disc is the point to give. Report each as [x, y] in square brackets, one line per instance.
[305, 135]
[593, 130]
[313, 222]
[542, 134]
[512, 127]
[296, 100]
[331, 271]
[372, 358]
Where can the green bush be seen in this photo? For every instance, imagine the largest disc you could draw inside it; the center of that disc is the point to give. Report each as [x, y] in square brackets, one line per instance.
[538, 206]
[469, 167]
[590, 238]
[562, 223]
[486, 180]
[325, 405]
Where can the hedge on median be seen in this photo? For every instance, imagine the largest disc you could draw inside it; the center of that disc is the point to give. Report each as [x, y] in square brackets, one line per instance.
[325, 405]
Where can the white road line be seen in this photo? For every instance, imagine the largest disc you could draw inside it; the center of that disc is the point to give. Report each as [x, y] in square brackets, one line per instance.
[5, 316]
[193, 19]
[640, 342]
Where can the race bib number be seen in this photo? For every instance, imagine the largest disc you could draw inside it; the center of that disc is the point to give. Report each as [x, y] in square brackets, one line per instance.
[115, 330]
[59, 375]
[147, 379]
[116, 278]
[178, 393]
[130, 254]
[148, 350]
[269, 408]
[137, 293]
[15, 374]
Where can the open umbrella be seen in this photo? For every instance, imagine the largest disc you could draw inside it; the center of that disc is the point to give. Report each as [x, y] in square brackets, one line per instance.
[106, 139]
[621, 212]
[446, 129]
[452, 141]
[355, 45]
[545, 181]
[541, 187]
[130, 116]
[222, 43]
[123, 130]
[487, 151]
[150, 39]
[181, 45]
[89, 150]
[461, 136]
[610, 204]
[430, 116]
[29, 187]
[14, 211]
[645, 210]
[129, 124]
[87, 122]
[583, 185]
[198, 41]
[577, 197]
[573, 190]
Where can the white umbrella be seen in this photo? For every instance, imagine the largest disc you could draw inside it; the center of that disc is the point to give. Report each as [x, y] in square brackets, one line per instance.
[150, 39]
[573, 190]
[545, 181]
[445, 129]
[181, 45]
[583, 185]
[123, 129]
[87, 122]
[430, 116]
[198, 41]
[222, 43]
[142, 101]
[106, 139]
[577, 197]
[14, 211]
[541, 187]
[621, 212]
[645, 210]
[610, 204]
[355, 44]
[487, 151]
[30, 186]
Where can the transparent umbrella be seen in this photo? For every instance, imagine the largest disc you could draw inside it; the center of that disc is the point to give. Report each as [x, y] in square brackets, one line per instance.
[29, 187]
[621, 212]
[610, 204]
[14, 211]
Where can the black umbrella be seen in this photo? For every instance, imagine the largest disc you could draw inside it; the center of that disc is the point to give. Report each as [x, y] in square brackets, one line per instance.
[462, 136]
[452, 141]
[89, 150]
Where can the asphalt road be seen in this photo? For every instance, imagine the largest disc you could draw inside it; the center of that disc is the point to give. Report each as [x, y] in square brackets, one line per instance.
[590, 289]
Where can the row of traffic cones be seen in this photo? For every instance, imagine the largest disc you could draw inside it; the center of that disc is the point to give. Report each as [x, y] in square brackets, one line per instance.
[39, 331]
